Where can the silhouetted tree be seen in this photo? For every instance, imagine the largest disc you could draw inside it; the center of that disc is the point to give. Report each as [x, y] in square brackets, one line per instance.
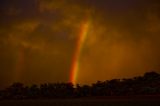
[33, 92]
[83, 91]
[148, 84]
[16, 91]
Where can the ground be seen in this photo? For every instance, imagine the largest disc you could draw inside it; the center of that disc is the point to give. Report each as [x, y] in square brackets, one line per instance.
[97, 101]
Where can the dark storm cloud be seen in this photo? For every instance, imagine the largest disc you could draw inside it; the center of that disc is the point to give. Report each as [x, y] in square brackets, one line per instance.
[125, 42]
[31, 50]
[38, 38]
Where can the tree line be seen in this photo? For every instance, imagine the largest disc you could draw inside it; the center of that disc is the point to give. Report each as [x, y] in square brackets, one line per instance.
[148, 84]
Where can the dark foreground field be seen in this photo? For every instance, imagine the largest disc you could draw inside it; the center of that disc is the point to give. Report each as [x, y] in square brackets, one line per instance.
[110, 101]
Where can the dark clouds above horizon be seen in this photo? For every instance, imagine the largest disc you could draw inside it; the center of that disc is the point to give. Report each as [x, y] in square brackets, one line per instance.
[38, 39]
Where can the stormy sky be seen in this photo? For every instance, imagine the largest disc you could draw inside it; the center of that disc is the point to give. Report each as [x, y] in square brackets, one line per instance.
[38, 39]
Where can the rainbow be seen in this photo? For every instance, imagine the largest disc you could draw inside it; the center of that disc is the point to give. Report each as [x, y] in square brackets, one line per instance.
[76, 58]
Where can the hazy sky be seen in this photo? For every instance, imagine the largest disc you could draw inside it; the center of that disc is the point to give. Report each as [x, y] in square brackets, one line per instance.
[38, 39]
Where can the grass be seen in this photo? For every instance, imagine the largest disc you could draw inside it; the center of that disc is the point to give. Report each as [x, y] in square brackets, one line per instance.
[113, 101]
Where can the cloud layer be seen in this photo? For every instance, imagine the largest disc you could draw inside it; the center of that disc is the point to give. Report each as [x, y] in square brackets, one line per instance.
[38, 39]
